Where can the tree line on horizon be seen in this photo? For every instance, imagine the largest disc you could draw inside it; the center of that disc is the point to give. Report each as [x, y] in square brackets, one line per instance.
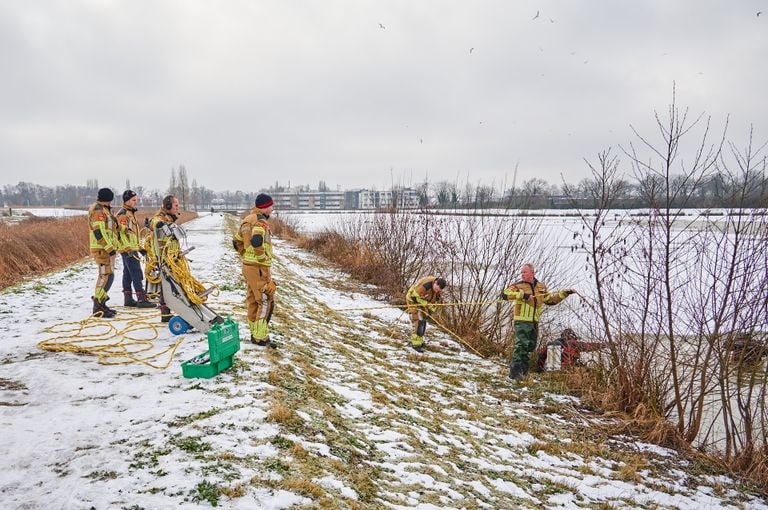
[716, 191]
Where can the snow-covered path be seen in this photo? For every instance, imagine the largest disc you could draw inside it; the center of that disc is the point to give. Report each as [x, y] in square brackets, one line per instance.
[341, 416]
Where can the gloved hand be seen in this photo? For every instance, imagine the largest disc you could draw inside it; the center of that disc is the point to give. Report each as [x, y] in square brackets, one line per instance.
[143, 252]
[112, 253]
[503, 296]
[270, 288]
[526, 297]
[432, 309]
[568, 292]
[160, 224]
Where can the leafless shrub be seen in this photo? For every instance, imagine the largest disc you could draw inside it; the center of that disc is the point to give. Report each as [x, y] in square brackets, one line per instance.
[680, 300]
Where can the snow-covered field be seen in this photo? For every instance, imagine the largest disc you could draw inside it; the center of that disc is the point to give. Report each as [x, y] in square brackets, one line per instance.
[51, 212]
[342, 415]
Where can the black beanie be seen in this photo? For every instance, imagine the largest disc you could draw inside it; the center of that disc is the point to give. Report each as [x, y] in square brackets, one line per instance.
[105, 195]
[128, 194]
[263, 201]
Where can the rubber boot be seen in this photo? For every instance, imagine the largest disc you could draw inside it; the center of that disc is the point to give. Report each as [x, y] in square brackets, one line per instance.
[517, 371]
[143, 302]
[266, 342]
[111, 310]
[165, 313]
[128, 299]
[101, 310]
[417, 342]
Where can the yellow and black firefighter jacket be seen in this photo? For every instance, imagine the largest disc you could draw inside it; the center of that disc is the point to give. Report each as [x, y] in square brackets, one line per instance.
[102, 226]
[253, 241]
[422, 293]
[161, 216]
[128, 230]
[530, 298]
[152, 263]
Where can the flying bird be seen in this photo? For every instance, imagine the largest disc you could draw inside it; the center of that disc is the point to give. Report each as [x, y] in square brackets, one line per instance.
[421, 140]
[759, 13]
[551, 20]
[471, 50]
[537, 15]
[382, 26]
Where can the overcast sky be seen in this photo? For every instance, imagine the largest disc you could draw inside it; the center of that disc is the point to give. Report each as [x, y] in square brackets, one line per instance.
[359, 93]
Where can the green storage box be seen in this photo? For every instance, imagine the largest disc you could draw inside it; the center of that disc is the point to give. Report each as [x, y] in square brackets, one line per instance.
[223, 343]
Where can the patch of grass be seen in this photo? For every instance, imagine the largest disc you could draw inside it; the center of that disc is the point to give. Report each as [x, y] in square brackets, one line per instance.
[231, 287]
[549, 447]
[238, 491]
[226, 470]
[632, 464]
[276, 465]
[61, 470]
[191, 444]
[286, 417]
[299, 452]
[11, 385]
[379, 397]
[281, 442]
[186, 420]
[148, 459]
[206, 491]
[362, 481]
[303, 487]
[102, 475]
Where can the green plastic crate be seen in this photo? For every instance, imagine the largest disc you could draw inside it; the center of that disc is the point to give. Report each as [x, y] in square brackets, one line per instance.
[223, 340]
[206, 370]
[223, 343]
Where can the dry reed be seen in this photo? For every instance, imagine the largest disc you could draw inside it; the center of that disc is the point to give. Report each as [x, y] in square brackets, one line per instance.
[40, 245]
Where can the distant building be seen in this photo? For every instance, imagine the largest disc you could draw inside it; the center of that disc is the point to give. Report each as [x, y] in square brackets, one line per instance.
[351, 199]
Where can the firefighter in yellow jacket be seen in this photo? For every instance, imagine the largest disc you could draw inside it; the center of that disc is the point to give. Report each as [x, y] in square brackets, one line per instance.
[253, 241]
[102, 228]
[421, 299]
[128, 237]
[529, 296]
[168, 213]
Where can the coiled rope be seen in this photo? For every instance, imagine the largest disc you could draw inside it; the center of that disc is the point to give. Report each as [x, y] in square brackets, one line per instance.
[113, 345]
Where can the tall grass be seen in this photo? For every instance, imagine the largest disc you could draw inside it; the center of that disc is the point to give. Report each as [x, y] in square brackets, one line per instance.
[40, 245]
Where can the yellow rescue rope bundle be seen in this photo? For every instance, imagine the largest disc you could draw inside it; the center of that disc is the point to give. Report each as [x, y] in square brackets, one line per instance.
[110, 344]
[177, 265]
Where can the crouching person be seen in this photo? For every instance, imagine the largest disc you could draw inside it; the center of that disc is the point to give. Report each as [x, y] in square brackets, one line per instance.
[421, 299]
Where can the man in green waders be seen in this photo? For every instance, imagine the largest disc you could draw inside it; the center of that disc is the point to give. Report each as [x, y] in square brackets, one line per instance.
[529, 296]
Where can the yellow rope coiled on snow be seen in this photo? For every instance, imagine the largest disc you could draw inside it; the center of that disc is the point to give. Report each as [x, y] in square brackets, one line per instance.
[113, 346]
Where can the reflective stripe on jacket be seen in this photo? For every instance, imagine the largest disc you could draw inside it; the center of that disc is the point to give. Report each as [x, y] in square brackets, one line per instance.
[421, 292]
[128, 230]
[255, 224]
[102, 228]
[530, 310]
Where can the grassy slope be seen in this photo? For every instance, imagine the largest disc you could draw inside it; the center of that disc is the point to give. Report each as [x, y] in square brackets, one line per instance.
[349, 401]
